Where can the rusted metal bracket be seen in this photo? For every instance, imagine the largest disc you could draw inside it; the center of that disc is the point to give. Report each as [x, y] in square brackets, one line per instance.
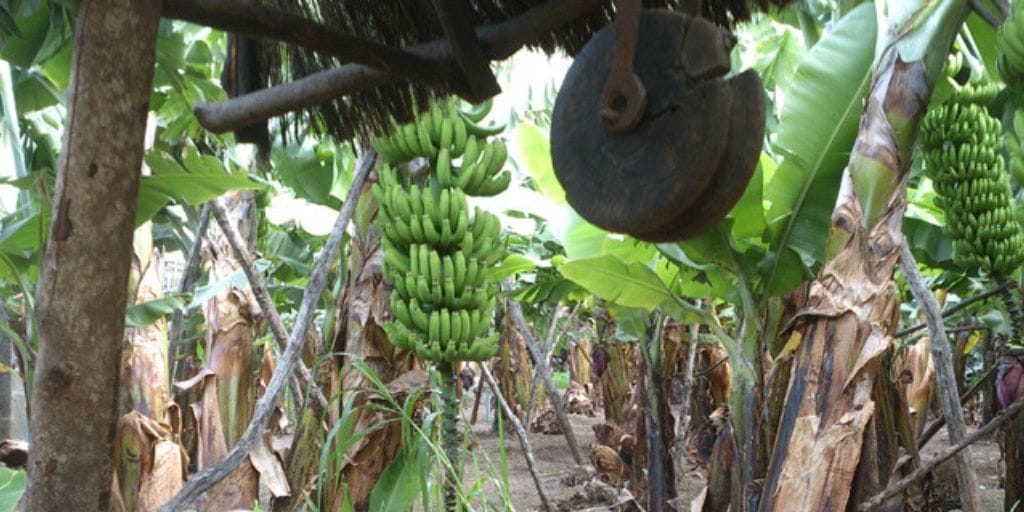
[624, 97]
[476, 67]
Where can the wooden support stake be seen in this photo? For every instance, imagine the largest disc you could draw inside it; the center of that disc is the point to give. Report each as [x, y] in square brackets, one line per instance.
[683, 426]
[188, 277]
[945, 377]
[520, 433]
[545, 372]
[549, 346]
[476, 401]
[203, 480]
[455, 16]
[898, 487]
[262, 293]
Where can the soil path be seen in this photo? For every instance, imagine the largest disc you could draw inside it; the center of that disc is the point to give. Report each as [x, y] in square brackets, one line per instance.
[555, 463]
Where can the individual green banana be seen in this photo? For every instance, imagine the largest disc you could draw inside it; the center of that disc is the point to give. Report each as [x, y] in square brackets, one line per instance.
[430, 205]
[466, 334]
[415, 200]
[473, 274]
[399, 336]
[468, 174]
[444, 204]
[424, 261]
[480, 130]
[427, 145]
[435, 268]
[416, 228]
[397, 259]
[398, 281]
[459, 265]
[420, 320]
[401, 310]
[447, 135]
[455, 328]
[493, 187]
[472, 153]
[449, 295]
[430, 231]
[410, 133]
[403, 232]
[478, 112]
[445, 330]
[446, 233]
[423, 289]
[499, 158]
[461, 137]
[434, 328]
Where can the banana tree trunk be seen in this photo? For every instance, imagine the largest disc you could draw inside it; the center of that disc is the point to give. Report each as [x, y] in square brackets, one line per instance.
[579, 365]
[828, 438]
[363, 308]
[150, 466]
[612, 365]
[145, 375]
[229, 385]
[1014, 480]
[512, 369]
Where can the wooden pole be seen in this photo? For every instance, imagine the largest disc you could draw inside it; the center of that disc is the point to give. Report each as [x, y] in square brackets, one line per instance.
[545, 373]
[949, 397]
[524, 442]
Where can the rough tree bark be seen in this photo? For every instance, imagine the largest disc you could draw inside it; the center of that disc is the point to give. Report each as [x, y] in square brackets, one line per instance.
[83, 286]
[828, 443]
[228, 377]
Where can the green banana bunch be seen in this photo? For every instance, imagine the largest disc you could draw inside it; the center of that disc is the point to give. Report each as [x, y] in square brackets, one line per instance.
[961, 145]
[1010, 42]
[441, 127]
[436, 252]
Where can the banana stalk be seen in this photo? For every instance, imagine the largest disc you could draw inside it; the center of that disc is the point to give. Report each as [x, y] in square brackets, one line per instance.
[822, 440]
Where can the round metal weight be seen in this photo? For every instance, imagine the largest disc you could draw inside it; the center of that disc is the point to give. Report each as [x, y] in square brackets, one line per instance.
[688, 161]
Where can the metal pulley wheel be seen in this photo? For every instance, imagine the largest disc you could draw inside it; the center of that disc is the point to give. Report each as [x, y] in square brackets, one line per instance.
[652, 140]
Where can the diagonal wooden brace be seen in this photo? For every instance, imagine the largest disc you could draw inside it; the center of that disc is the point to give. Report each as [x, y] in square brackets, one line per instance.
[456, 20]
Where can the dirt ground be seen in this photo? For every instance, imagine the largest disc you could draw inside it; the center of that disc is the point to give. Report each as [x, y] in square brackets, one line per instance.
[555, 462]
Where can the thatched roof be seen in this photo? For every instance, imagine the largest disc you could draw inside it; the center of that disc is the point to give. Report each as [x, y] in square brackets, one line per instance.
[404, 23]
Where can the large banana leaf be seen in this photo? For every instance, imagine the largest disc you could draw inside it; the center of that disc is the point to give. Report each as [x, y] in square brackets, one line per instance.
[201, 179]
[631, 285]
[822, 107]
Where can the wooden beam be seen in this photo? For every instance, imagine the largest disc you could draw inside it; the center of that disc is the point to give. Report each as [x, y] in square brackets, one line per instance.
[476, 67]
[271, 23]
[498, 41]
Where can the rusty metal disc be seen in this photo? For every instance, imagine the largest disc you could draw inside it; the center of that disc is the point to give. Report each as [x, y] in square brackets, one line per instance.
[734, 174]
[699, 132]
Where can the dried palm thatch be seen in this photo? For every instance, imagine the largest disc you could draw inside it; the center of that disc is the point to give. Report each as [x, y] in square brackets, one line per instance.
[402, 23]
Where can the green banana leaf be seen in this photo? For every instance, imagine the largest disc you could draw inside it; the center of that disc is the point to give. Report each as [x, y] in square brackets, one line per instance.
[822, 108]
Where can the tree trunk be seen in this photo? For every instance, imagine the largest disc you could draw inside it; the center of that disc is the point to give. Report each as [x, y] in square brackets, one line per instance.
[83, 284]
[828, 438]
[513, 368]
[150, 466]
[579, 365]
[1014, 480]
[229, 385]
[613, 364]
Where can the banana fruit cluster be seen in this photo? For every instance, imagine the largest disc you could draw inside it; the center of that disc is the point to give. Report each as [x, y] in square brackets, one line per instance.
[961, 144]
[445, 133]
[436, 252]
[1010, 42]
